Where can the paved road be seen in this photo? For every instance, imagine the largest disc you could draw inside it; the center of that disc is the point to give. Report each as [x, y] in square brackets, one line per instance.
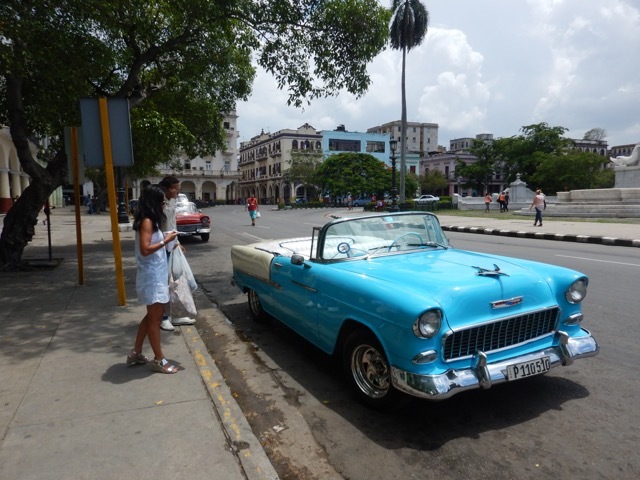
[561, 425]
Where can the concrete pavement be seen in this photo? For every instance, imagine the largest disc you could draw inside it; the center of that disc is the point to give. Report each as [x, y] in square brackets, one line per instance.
[595, 231]
[72, 408]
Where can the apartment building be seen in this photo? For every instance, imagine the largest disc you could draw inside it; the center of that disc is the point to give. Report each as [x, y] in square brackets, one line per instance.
[421, 140]
[264, 160]
[206, 179]
[340, 141]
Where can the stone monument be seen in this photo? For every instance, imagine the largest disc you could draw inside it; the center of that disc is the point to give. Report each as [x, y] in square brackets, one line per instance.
[622, 201]
[627, 169]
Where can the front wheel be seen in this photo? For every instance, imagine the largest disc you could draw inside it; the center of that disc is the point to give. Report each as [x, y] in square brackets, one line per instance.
[368, 370]
[204, 237]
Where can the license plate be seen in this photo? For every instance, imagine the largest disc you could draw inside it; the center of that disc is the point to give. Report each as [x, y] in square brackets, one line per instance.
[528, 369]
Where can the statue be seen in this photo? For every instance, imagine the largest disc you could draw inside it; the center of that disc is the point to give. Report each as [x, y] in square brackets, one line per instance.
[629, 161]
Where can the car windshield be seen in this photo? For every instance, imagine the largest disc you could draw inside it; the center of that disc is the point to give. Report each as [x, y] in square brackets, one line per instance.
[381, 235]
[186, 208]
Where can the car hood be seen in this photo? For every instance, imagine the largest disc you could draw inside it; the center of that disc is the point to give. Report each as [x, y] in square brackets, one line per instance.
[188, 217]
[453, 280]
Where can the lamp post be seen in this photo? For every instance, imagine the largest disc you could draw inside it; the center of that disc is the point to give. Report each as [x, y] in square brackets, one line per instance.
[121, 207]
[393, 144]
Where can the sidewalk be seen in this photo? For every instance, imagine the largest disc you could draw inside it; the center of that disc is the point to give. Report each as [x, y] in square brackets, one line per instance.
[72, 408]
[609, 233]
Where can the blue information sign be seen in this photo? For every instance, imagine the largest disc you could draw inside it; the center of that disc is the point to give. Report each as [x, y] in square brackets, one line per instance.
[119, 127]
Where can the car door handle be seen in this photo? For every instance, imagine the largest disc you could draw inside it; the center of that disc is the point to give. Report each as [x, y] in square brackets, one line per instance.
[277, 265]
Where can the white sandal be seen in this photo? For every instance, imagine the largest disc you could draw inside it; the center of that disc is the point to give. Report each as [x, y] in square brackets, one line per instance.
[163, 366]
[135, 358]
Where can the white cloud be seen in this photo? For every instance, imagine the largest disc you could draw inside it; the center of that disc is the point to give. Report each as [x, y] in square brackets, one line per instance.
[491, 67]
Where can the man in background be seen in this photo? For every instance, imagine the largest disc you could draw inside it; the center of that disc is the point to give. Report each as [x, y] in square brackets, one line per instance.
[171, 187]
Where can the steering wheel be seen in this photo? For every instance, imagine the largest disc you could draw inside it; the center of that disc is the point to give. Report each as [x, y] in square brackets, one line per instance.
[396, 242]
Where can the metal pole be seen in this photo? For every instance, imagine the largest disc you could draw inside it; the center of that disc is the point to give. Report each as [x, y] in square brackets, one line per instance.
[394, 190]
[111, 191]
[76, 196]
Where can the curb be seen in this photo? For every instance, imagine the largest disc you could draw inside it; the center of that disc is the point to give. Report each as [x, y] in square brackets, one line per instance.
[245, 444]
[619, 242]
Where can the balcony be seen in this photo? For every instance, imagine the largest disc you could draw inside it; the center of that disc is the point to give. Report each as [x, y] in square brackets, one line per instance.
[212, 174]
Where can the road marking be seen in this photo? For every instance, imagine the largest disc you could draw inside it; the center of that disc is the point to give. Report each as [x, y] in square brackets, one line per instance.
[602, 261]
[252, 236]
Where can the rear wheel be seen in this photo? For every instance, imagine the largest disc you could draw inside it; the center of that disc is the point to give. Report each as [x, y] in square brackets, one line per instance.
[204, 237]
[257, 312]
[368, 370]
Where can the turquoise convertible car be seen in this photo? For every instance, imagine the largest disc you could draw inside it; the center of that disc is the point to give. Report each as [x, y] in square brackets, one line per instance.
[407, 312]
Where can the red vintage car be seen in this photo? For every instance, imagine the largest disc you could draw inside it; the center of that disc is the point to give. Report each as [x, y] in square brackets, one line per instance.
[191, 221]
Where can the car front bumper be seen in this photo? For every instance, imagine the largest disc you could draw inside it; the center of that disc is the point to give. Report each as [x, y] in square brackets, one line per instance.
[484, 375]
[192, 230]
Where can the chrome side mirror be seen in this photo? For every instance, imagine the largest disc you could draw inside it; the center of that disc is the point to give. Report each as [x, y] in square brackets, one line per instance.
[297, 259]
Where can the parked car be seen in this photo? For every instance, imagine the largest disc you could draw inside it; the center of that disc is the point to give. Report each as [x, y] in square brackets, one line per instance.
[191, 221]
[426, 199]
[360, 202]
[407, 312]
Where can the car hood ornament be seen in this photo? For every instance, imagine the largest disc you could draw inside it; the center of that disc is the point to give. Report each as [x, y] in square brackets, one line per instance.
[490, 273]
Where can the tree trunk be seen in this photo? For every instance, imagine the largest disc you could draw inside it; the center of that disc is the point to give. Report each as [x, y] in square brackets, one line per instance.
[18, 227]
[403, 129]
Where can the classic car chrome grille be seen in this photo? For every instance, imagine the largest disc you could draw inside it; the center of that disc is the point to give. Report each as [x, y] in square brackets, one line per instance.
[500, 334]
[188, 228]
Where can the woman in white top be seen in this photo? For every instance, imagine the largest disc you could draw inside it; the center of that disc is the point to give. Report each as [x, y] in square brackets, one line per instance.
[152, 285]
[541, 204]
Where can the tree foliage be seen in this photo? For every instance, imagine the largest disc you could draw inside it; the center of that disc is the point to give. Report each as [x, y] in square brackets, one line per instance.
[411, 183]
[521, 154]
[433, 181]
[573, 170]
[181, 64]
[408, 29]
[479, 174]
[302, 169]
[541, 155]
[353, 173]
[595, 134]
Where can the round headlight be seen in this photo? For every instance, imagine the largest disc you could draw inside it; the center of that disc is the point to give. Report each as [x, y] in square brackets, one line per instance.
[428, 324]
[577, 291]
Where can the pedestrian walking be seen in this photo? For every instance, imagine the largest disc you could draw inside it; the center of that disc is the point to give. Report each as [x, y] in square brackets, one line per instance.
[253, 208]
[171, 187]
[152, 286]
[501, 201]
[487, 202]
[540, 203]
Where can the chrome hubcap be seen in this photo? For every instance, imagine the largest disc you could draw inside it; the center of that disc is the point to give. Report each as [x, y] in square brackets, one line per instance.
[370, 371]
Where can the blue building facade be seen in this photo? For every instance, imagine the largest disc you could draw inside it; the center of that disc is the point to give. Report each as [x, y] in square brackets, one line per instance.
[342, 141]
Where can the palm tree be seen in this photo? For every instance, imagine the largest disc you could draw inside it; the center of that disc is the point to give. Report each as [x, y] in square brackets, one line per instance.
[408, 29]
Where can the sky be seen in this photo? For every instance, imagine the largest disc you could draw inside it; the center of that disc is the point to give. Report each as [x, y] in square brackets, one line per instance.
[490, 66]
